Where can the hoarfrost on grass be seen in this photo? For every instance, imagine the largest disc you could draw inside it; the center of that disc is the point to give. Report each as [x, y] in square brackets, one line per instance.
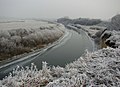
[100, 68]
[16, 40]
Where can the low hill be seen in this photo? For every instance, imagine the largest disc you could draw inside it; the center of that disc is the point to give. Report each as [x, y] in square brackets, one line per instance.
[115, 23]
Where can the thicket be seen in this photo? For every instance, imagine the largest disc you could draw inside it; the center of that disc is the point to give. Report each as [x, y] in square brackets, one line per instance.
[19, 41]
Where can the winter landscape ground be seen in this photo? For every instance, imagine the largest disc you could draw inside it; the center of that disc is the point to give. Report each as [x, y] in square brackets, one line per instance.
[100, 68]
[59, 43]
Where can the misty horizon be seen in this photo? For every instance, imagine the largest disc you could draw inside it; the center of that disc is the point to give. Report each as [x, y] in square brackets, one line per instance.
[51, 9]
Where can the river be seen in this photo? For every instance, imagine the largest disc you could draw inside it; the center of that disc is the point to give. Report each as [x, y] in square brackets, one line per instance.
[67, 51]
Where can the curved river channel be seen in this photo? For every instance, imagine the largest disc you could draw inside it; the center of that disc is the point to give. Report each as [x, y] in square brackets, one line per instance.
[67, 51]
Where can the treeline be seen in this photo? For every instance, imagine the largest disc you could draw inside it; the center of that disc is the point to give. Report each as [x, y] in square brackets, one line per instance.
[19, 41]
[86, 21]
[81, 21]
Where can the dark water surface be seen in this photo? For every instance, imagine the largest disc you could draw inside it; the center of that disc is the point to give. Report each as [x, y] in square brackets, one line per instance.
[61, 54]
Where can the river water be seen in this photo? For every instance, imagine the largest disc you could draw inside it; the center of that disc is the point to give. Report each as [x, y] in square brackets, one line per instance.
[62, 54]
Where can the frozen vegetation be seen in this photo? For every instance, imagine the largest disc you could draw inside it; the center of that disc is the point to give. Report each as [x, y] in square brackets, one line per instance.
[112, 38]
[112, 34]
[100, 68]
[25, 36]
[97, 69]
[93, 30]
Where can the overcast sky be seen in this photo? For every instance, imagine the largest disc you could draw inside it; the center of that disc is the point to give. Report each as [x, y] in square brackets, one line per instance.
[104, 9]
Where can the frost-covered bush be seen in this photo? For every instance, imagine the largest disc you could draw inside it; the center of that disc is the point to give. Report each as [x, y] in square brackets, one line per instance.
[114, 39]
[98, 69]
[18, 41]
[111, 38]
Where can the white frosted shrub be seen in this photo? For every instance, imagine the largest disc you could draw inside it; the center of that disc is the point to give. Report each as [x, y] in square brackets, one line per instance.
[98, 69]
[28, 39]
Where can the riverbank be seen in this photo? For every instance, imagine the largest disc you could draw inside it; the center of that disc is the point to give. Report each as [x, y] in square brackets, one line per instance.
[87, 31]
[95, 33]
[17, 38]
[34, 53]
[66, 52]
[93, 69]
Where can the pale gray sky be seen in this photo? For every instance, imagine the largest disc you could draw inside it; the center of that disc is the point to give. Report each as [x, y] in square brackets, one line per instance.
[59, 8]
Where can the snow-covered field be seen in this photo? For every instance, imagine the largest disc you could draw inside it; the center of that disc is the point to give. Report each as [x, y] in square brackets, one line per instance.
[25, 24]
[18, 37]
